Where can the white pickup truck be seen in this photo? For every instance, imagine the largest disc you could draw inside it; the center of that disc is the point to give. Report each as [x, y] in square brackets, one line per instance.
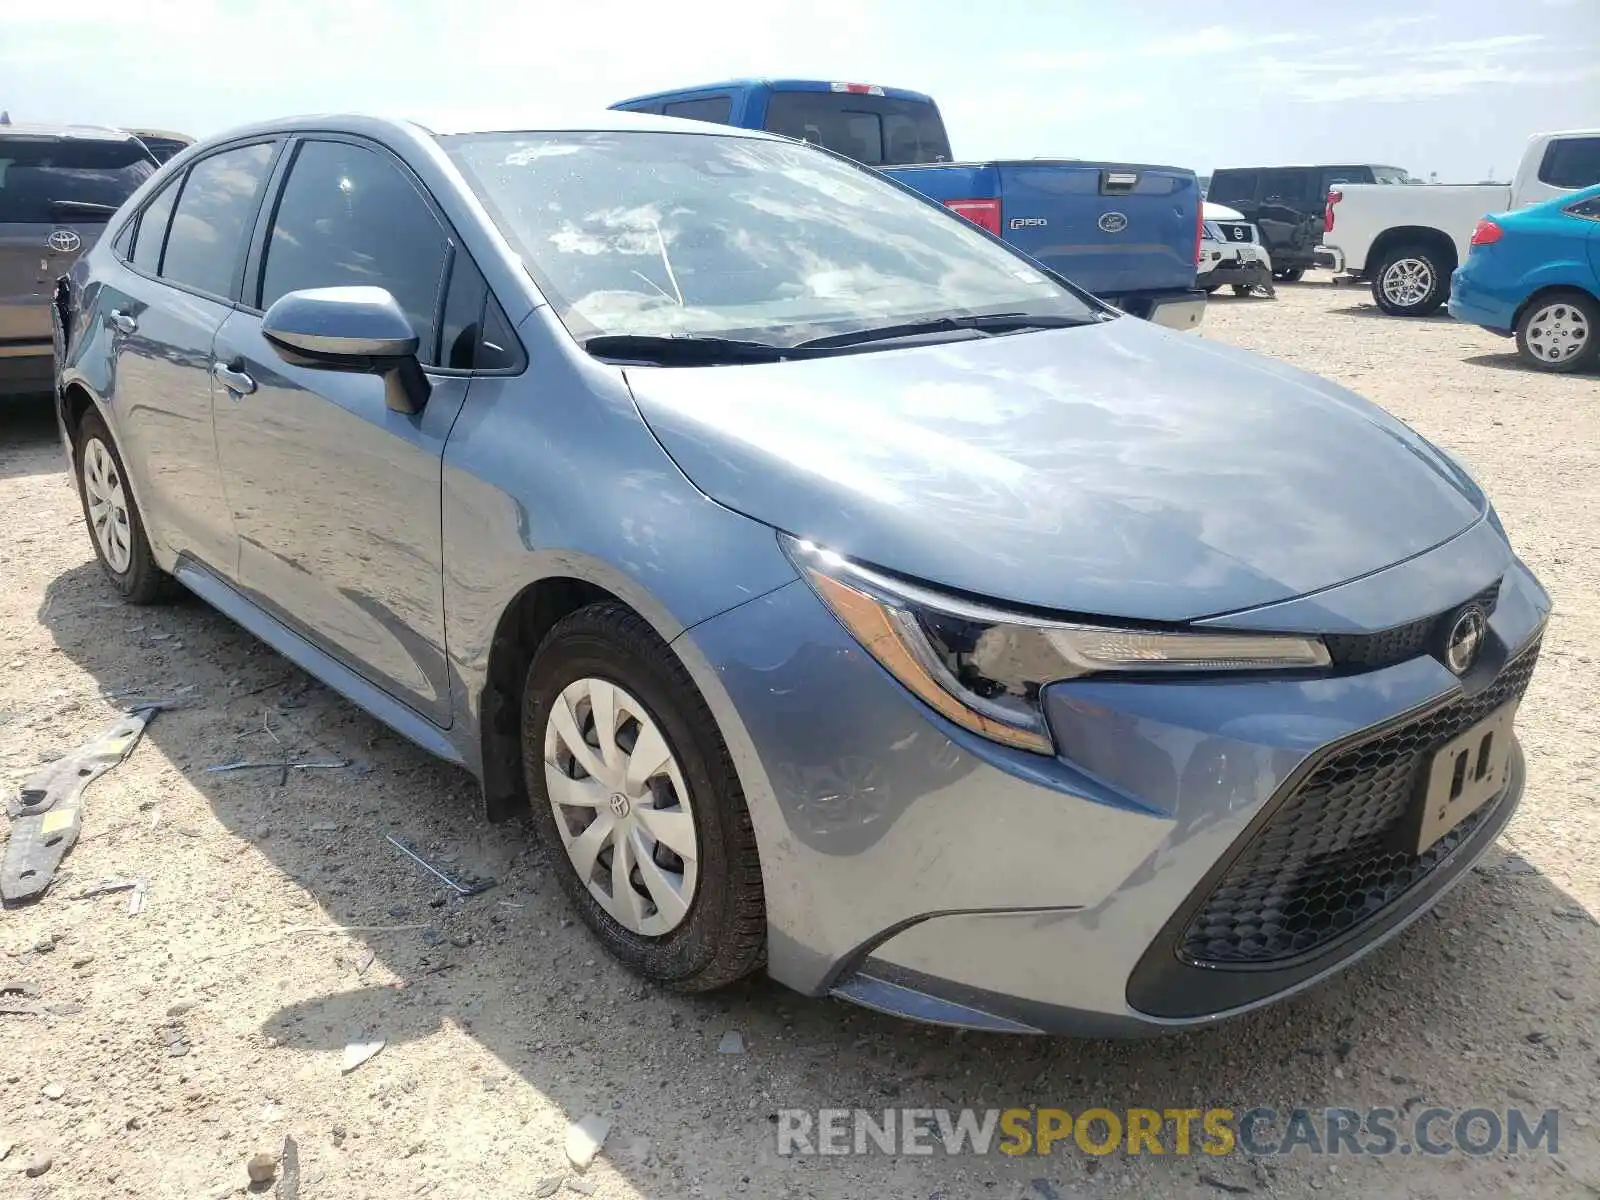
[1406, 240]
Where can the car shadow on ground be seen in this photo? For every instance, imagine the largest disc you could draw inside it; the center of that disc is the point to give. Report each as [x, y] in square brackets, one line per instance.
[28, 431]
[1513, 362]
[511, 969]
[1372, 310]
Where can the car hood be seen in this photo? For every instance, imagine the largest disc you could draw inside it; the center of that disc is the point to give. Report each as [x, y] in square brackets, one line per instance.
[1117, 469]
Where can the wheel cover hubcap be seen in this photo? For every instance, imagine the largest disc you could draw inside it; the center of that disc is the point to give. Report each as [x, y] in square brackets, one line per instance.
[108, 505]
[621, 806]
[1558, 332]
[1407, 281]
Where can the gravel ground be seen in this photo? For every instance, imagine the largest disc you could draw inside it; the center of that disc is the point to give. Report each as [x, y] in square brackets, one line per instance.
[177, 1043]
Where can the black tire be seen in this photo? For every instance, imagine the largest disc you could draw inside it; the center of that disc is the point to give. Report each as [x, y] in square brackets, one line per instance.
[1582, 314]
[722, 938]
[1242, 289]
[141, 581]
[1430, 301]
[1289, 274]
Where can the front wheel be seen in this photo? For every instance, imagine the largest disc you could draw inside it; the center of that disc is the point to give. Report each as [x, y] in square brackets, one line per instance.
[115, 527]
[634, 793]
[1560, 333]
[1411, 281]
[1289, 274]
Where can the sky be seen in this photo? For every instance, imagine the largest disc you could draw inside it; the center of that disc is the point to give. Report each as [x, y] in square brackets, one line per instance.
[1448, 86]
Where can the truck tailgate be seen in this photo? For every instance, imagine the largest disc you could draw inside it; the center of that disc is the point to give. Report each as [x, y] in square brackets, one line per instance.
[1111, 228]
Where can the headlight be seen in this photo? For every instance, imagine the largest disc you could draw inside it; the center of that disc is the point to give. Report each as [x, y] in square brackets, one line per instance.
[983, 667]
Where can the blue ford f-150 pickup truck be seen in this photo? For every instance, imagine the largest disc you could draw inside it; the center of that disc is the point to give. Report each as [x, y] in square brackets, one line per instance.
[1128, 233]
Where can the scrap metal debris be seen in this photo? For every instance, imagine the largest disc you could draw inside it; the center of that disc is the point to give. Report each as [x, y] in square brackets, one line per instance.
[277, 766]
[47, 812]
[107, 887]
[14, 998]
[470, 888]
[358, 1052]
[289, 1167]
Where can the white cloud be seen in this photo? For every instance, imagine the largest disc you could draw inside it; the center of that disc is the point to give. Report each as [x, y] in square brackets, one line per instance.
[1212, 40]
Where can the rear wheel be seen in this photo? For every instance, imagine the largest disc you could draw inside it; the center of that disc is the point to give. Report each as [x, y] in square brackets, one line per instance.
[1289, 274]
[115, 526]
[634, 792]
[1242, 289]
[1411, 281]
[1560, 332]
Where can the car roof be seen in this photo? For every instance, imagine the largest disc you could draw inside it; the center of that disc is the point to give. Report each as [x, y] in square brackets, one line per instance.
[780, 85]
[451, 122]
[87, 133]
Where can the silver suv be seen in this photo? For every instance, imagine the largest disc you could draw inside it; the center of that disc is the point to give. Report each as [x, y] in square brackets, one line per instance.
[59, 184]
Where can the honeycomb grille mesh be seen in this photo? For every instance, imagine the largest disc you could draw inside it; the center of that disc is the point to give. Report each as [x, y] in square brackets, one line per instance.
[1328, 858]
[1370, 651]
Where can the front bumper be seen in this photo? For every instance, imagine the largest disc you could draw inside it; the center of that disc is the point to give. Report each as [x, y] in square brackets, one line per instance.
[1245, 273]
[917, 869]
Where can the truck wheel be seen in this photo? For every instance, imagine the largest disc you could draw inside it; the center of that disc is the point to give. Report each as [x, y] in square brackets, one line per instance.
[1410, 282]
[1289, 274]
[1560, 332]
[1242, 289]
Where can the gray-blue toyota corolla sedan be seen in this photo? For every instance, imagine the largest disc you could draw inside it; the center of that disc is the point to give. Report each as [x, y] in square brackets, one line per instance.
[842, 595]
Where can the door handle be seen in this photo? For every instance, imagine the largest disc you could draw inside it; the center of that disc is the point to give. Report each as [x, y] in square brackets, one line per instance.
[123, 321]
[236, 381]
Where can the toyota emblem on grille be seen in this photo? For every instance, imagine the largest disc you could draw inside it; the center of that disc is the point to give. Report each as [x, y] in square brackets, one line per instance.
[65, 241]
[1465, 639]
[1112, 222]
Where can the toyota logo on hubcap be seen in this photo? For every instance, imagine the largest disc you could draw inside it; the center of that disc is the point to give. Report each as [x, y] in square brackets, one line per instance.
[619, 804]
[63, 240]
[1465, 640]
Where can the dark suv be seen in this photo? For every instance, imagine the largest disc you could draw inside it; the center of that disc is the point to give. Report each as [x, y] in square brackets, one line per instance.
[58, 186]
[1287, 205]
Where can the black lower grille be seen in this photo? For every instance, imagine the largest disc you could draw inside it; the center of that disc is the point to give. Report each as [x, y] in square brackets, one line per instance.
[1370, 651]
[1328, 858]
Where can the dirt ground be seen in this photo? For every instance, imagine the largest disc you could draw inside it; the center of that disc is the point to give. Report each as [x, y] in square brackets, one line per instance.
[175, 1044]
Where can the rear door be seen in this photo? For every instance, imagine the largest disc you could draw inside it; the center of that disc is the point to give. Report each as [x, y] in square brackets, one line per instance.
[163, 309]
[1111, 229]
[56, 195]
[335, 495]
[1286, 200]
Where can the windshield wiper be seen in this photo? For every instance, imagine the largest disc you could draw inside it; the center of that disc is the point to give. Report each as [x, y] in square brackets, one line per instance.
[82, 206]
[681, 351]
[987, 323]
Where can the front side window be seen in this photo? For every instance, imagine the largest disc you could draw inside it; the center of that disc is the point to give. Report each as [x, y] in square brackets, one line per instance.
[47, 180]
[877, 130]
[710, 235]
[1571, 162]
[215, 211]
[152, 233]
[1283, 187]
[347, 217]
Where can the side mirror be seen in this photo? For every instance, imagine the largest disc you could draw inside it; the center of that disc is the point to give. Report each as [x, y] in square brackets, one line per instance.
[358, 329]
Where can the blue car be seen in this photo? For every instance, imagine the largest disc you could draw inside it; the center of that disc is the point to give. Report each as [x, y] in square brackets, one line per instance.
[840, 595]
[1535, 274]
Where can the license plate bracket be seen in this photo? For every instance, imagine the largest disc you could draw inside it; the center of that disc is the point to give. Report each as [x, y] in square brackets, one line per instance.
[1462, 776]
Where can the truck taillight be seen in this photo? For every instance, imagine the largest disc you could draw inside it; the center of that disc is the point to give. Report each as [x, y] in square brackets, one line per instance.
[1486, 233]
[979, 212]
[1334, 196]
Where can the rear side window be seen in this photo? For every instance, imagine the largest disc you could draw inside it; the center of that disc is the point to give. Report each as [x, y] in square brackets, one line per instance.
[876, 130]
[716, 109]
[1228, 186]
[1285, 187]
[50, 180]
[348, 216]
[152, 234]
[1586, 208]
[215, 211]
[1571, 163]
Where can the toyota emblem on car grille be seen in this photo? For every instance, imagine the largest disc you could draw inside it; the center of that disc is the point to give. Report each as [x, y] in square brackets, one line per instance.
[1465, 639]
[1112, 222]
[64, 241]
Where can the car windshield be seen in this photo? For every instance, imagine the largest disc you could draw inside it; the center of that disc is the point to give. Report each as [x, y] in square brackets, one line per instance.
[694, 235]
[68, 179]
